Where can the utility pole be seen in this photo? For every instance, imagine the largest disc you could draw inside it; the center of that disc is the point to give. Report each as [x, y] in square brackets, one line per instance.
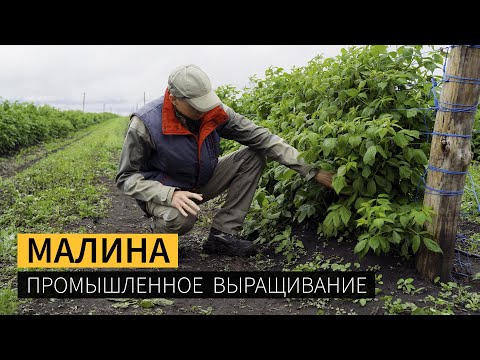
[144, 98]
[104, 107]
[450, 156]
[83, 102]
[137, 106]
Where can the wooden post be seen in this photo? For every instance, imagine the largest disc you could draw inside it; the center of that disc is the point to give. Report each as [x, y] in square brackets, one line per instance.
[452, 154]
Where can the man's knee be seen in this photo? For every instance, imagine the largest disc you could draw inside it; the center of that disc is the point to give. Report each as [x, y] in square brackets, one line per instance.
[174, 222]
[260, 159]
[254, 157]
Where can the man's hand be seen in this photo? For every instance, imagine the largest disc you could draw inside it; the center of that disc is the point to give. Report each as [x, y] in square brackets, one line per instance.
[324, 177]
[181, 201]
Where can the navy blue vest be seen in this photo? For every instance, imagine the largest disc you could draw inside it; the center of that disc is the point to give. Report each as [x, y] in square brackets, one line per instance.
[175, 161]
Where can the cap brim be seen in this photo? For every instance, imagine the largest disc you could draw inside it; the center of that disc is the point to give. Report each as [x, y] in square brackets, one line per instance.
[206, 102]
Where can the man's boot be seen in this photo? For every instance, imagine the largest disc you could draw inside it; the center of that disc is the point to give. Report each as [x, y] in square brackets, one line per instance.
[222, 243]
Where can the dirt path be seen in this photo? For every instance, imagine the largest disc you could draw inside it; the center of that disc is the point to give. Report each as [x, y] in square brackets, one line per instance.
[125, 217]
[12, 164]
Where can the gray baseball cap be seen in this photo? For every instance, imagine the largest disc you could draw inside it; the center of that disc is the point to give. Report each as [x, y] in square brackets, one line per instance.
[191, 82]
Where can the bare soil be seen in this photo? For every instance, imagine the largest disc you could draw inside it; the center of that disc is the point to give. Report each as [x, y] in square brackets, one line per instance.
[126, 217]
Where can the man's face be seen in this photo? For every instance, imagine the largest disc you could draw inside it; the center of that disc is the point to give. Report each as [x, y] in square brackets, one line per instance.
[186, 109]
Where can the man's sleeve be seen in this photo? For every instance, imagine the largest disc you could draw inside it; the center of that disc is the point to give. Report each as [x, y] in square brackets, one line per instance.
[135, 153]
[260, 139]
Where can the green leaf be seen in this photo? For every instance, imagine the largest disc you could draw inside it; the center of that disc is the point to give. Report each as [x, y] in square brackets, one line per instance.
[302, 216]
[288, 174]
[357, 184]
[146, 303]
[382, 85]
[381, 133]
[420, 218]
[371, 187]
[327, 225]
[415, 243]
[412, 133]
[260, 197]
[281, 246]
[369, 157]
[278, 238]
[404, 249]
[351, 164]
[342, 170]
[381, 181]
[119, 299]
[381, 151]
[351, 199]
[363, 302]
[379, 49]
[328, 145]
[366, 171]
[401, 140]
[352, 92]
[121, 305]
[407, 52]
[408, 153]
[419, 311]
[367, 111]
[354, 140]
[313, 138]
[339, 183]
[396, 238]
[432, 245]
[162, 301]
[336, 219]
[360, 246]
[345, 215]
[411, 113]
[309, 94]
[332, 109]
[404, 221]
[384, 244]
[373, 242]
[378, 223]
[420, 156]
[405, 172]
[273, 216]
[371, 133]
[361, 85]
[476, 276]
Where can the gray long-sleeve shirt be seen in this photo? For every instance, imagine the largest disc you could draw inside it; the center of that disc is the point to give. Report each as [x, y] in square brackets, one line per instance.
[138, 146]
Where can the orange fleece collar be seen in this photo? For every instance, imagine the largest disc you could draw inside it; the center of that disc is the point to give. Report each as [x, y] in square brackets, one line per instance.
[209, 121]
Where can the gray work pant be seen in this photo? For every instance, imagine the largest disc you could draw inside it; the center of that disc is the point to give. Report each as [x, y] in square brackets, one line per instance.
[239, 172]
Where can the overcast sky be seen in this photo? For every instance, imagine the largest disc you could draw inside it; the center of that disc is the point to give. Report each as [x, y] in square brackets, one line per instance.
[118, 75]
